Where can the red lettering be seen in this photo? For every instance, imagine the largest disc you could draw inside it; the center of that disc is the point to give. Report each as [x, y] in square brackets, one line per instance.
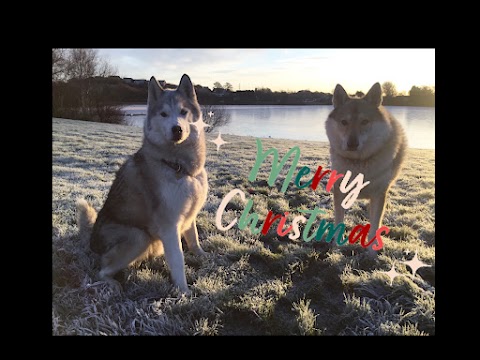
[317, 177]
[378, 236]
[268, 222]
[333, 177]
[353, 238]
[281, 224]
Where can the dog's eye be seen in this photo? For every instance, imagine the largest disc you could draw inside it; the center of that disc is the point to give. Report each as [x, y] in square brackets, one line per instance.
[183, 112]
[364, 122]
[163, 114]
[344, 122]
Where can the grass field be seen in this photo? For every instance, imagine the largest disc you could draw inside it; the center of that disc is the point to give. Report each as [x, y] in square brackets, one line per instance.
[249, 284]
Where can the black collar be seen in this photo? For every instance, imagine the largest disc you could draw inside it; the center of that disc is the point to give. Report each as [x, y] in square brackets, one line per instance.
[179, 170]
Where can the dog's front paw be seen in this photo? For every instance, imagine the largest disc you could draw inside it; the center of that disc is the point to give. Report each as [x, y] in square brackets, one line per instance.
[201, 252]
[372, 254]
[183, 291]
[198, 251]
[113, 285]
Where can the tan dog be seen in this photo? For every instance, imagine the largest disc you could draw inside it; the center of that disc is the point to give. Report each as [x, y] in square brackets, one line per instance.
[157, 193]
[365, 138]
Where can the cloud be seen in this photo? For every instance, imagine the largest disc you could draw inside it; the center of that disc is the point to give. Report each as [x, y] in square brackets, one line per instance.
[170, 64]
[279, 69]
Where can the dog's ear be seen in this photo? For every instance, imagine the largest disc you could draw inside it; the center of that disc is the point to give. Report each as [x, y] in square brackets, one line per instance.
[186, 87]
[154, 90]
[339, 96]
[374, 95]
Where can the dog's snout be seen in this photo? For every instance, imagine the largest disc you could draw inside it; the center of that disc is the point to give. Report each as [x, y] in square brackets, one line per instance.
[352, 143]
[177, 132]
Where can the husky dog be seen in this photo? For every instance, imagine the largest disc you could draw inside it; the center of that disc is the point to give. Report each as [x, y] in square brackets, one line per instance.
[157, 193]
[365, 138]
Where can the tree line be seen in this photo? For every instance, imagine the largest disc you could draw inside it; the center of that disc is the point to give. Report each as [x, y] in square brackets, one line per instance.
[417, 96]
[223, 94]
[80, 86]
[87, 87]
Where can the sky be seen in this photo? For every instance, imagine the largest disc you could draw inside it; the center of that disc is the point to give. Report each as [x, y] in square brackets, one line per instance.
[280, 69]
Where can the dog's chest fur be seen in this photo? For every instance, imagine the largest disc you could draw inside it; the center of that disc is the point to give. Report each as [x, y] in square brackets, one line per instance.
[184, 194]
[176, 197]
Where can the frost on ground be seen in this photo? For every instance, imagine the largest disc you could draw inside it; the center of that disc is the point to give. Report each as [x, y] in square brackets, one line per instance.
[251, 284]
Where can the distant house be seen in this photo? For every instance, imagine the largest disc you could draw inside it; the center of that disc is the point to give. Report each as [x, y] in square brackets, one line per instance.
[140, 82]
[136, 82]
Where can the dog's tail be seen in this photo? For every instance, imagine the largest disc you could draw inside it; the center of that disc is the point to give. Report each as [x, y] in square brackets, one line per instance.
[86, 216]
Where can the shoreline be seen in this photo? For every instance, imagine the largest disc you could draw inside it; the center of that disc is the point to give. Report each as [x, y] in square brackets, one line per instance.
[215, 134]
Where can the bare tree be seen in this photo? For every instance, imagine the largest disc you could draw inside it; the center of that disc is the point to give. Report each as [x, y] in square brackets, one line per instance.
[59, 62]
[215, 116]
[105, 68]
[80, 66]
[228, 86]
[389, 89]
[82, 63]
[217, 85]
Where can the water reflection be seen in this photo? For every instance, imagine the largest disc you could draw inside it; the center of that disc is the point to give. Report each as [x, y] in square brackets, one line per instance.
[307, 122]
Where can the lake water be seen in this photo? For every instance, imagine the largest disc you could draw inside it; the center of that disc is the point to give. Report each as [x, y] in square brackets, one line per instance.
[306, 122]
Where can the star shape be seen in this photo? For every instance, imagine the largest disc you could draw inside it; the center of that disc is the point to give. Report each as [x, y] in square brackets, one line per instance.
[218, 141]
[200, 124]
[415, 264]
[210, 113]
[392, 274]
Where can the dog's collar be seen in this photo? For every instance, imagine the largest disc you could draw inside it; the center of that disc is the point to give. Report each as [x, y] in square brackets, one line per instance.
[179, 170]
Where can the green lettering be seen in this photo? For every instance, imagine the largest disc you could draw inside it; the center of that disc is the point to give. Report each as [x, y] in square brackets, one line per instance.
[276, 167]
[247, 218]
[313, 216]
[327, 226]
[303, 171]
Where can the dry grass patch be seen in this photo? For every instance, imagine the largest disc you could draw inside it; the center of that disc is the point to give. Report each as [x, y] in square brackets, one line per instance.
[249, 284]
